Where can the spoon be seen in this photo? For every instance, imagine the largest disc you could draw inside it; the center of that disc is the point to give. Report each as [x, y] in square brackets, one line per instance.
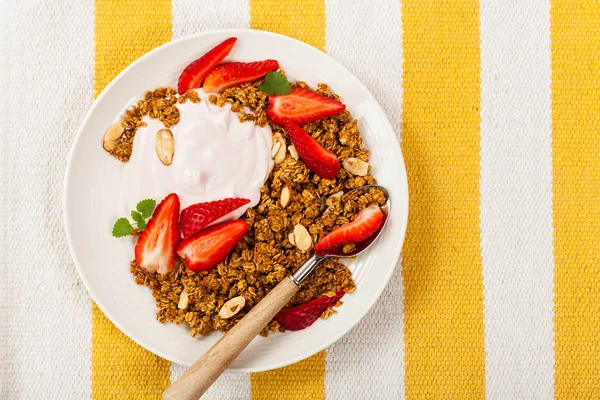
[204, 372]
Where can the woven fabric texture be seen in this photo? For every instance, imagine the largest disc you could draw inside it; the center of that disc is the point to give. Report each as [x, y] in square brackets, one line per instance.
[495, 104]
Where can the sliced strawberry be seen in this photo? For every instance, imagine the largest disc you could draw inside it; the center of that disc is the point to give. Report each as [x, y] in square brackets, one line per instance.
[193, 75]
[155, 248]
[207, 248]
[237, 73]
[200, 215]
[304, 315]
[366, 223]
[302, 106]
[317, 158]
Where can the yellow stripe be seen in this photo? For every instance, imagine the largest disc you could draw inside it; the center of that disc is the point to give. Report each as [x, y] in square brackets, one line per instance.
[120, 368]
[575, 35]
[304, 21]
[125, 30]
[443, 284]
[303, 380]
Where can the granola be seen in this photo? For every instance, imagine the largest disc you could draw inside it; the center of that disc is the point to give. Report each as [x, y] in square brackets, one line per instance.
[266, 254]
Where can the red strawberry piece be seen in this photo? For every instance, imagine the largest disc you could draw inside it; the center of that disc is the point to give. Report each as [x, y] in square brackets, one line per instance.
[302, 106]
[367, 223]
[237, 73]
[200, 215]
[155, 248]
[193, 75]
[207, 248]
[304, 315]
[317, 158]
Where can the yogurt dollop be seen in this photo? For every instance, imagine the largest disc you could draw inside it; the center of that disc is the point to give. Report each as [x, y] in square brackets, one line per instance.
[215, 157]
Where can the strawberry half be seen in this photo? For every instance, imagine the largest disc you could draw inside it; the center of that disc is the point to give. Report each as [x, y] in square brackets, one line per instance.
[304, 315]
[200, 215]
[155, 248]
[237, 73]
[302, 106]
[207, 248]
[317, 158]
[367, 223]
[193, 75]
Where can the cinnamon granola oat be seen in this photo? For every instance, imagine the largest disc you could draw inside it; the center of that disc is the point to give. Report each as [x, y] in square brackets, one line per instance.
[265, 255]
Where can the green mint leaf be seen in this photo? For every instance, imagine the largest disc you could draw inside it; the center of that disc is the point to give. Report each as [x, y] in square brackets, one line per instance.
[275, 83]
[146, 208]
[122, 228]
[139, 220]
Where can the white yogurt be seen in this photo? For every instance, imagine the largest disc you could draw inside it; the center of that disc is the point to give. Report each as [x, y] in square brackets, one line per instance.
[216, 157]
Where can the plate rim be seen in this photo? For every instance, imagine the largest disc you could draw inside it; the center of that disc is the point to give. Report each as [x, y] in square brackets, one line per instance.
[404, 206]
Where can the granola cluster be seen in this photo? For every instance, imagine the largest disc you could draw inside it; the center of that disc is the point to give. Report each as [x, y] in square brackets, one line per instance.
[267, 254]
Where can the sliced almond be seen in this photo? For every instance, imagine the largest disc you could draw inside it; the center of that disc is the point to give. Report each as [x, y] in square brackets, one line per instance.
[278, 150]
[293, 152]
[275, 149]
[286, 195]
[323, 206]
[112, 136]
[280, 156]
[165, 146]
[302, 238]
[232, 307]
[291, 238]
[184, 300]
[114, 132]
[338, 194]
[356, 166]
[108, 145]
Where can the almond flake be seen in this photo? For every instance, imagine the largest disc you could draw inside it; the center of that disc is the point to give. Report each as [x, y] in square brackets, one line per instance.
[293, 152]
[302, 238]
[275, 149]
[165, 146]
[232, 307]
[184, 299]
[278, 150]
[356, 166]
[112, 136]
[286, 195]
[291, 238]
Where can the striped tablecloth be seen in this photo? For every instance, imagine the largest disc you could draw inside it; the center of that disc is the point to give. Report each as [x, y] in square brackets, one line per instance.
[497, 104]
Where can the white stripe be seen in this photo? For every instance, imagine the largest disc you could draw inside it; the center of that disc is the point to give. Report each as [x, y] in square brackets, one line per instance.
[45, 311]
[516, 199]
[368, 362]
[189, 17]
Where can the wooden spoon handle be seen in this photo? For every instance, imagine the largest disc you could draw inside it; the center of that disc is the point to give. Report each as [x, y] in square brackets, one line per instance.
[198, 378]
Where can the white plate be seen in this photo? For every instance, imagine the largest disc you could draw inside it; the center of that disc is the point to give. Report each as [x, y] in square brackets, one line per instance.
[93, 200]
